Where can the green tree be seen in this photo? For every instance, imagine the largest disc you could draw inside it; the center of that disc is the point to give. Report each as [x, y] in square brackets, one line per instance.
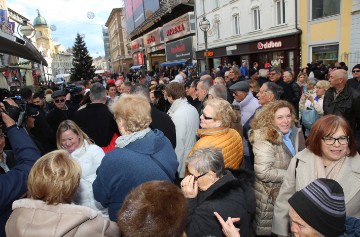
[82, 61]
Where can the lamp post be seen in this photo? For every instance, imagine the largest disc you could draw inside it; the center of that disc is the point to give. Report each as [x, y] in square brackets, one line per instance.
[26, 30]
[205, 26]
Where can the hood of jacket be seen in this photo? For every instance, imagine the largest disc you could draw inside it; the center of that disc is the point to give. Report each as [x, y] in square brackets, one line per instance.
[153, 142]
[269, 134]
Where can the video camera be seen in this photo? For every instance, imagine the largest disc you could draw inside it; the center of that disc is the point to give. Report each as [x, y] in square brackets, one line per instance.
[72, 89]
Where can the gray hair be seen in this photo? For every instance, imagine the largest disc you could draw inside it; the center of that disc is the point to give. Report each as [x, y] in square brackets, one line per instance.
[218, 91]
[263, 72]
[275, 89]
[141, 90]
[97, 92]
[207, 159]
[206, 83]
[312, 81]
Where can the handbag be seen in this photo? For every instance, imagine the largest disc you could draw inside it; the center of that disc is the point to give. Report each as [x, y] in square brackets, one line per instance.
[309, 116]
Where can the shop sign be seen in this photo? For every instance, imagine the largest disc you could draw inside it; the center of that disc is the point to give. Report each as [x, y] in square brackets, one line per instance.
[269, 45]
[138, 58]
[210, 54]
[177, 28]
[152, 38]
[157, 48]
[136, 44]
[180, 49]
[230, 48]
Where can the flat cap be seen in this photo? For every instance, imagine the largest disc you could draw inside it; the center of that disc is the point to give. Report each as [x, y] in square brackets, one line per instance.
[58, 93]
[240, 86]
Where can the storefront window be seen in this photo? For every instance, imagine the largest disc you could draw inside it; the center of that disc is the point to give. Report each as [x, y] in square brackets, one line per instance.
[327, 53]
[217, 62]
[291, 60]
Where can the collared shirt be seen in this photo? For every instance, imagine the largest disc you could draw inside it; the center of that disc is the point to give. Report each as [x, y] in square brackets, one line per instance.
[287, 141]
[3, 164]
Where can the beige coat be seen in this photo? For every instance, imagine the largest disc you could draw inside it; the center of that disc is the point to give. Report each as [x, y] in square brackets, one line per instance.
[36, 218]
[271, 160]
[348, 178]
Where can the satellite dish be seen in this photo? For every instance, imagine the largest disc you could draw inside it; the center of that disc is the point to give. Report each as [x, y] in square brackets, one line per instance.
[90, 15]
[53, 27]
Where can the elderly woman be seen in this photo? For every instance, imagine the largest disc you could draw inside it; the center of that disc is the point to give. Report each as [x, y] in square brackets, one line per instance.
[141, 154]
[330, 153]
[275, 141]
[52, 183]
[209, 188]
[215, 122]
[71, 138]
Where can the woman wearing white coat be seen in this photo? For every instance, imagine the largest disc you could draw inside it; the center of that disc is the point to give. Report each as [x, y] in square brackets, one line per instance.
[71, 138]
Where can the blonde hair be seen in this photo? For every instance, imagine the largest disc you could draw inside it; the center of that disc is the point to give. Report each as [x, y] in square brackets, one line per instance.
[254, 85]
[223, 111]
[323, 84]
[266, 115]
[54, 178]
[302, 74]
[71, 125]
[219, 80]
[134, 111]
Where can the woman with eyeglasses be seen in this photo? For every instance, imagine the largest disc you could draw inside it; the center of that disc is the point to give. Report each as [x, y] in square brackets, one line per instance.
[215, 123]
[274, 138]
[210, 188]
[70, 137]
[330, 153]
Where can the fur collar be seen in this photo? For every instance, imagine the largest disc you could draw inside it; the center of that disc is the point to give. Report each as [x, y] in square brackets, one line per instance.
[59, 208]
[269, 134]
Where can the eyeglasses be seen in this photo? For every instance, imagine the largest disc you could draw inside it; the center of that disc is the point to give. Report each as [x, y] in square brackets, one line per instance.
[355, 71]
[198, 177]
[206, 117]
[272, 74]
[343, 140]
[59, 100]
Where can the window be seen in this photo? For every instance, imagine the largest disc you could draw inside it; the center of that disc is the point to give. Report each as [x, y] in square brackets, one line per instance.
[327, 53]
[236, 24]
[256, 18]
[324, 8]
[217, 25]
[279, 12]
[217, 3]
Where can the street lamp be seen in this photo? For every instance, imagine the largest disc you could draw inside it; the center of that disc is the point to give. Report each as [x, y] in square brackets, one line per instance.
[205, 26]
[26, 30]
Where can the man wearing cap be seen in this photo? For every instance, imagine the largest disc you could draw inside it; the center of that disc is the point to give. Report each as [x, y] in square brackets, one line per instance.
[63, 110]
[355, 81]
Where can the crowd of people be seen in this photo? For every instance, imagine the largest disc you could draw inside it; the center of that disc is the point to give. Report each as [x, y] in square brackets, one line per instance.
[209, 154]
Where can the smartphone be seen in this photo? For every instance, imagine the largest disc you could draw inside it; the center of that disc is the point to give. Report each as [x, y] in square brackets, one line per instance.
[305, 89]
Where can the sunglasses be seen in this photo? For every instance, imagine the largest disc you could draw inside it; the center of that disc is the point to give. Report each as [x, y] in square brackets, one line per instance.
[59, 100]
[355, 71]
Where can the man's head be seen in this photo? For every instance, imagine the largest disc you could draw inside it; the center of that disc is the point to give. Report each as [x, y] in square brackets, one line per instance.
[318, 210]
[255, 64]
[59, 98]
[338, 79]
[142, 79]
[356, 71]
[234, 73]
[174, 91]
[202, 88]
[275, 74]
[218, 91]
[87, 84]
[26, 94]
[268, 92]
[240, 90]
[227, 76]
[111, 90]
[39, 99]
[118, 84]
[146, 210]
[125, 88]
[98, 93]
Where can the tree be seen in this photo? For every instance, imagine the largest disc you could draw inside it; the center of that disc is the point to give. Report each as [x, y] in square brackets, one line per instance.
[82, 61]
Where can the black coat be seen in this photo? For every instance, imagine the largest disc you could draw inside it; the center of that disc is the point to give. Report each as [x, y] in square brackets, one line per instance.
[163, 122]
[97, 122]
[56, 116]
[230, 196]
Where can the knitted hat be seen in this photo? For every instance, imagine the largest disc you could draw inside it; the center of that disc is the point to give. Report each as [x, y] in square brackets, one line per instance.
[321, 204]
[357, 66]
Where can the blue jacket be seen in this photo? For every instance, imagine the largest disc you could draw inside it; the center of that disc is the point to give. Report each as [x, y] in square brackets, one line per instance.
[13, 184]
[122, 169]
[352, 226]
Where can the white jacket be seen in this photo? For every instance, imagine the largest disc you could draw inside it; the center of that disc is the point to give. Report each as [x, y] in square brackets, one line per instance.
[186, 120]
[89, 157]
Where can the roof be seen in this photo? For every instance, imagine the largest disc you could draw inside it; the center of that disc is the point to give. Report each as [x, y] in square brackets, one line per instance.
[39, 20]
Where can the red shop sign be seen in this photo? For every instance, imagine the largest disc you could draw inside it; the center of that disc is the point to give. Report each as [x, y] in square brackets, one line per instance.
[175, 29]
[269, 45]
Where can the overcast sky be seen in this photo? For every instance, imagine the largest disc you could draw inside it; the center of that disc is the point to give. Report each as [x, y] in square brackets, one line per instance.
[71, 17]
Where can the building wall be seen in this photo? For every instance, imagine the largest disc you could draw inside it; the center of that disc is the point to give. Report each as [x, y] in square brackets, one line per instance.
[354, 56]
[223, 16]
[325, 32]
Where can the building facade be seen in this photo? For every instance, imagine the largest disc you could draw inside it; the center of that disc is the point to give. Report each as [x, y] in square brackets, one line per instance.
[61, 61]
[354, 55]
[118, 43]
[249, 31]
[326, 26]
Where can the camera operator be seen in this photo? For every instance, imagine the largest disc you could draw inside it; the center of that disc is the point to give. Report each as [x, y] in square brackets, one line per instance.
[160, 102]
[13, 183]
[63, 110]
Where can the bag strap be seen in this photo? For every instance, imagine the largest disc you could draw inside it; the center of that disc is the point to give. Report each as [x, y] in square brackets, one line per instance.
[296, 165]
[161, 167]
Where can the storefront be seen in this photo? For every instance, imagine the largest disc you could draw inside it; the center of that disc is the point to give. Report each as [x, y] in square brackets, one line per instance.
[282, 52]
[155, 48]
[137, 52]
[328, 54]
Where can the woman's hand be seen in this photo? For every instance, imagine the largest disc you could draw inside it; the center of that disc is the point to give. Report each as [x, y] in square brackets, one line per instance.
[228, 227]
[303, 97]
[311, 98]
[189, 187]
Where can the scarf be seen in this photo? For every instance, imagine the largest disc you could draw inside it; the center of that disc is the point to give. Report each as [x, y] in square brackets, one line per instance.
[329, 172]
[125, 140]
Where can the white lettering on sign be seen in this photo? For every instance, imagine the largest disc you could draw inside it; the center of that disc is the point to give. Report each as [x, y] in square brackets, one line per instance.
[269, 45]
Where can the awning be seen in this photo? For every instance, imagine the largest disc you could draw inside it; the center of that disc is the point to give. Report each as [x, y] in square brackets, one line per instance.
[136, 67]
[175, 63]
[23, 48]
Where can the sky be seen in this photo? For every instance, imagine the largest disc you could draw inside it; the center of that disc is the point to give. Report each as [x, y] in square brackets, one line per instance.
[71, 17]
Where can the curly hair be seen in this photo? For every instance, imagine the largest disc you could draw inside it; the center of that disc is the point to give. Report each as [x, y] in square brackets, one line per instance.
[133, 111]
[54, 178]
[223, 111]
[265, 116]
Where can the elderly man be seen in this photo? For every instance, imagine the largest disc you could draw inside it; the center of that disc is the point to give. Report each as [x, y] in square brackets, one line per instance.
[342, 99]
[202, 90]
[118, 84]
